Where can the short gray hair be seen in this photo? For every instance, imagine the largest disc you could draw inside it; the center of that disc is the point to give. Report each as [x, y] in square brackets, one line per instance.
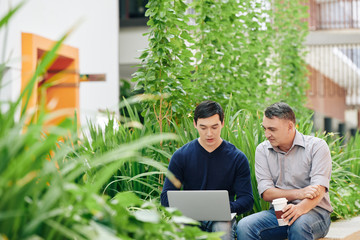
[280, 110]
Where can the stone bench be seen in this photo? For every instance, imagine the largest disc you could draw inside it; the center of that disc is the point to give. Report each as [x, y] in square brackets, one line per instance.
[344, 230]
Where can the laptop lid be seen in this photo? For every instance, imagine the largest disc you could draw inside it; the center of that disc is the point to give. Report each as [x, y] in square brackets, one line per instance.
[202, 205]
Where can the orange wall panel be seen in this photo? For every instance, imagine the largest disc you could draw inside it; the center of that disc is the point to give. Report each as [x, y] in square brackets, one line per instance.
[62, 75]
[64, 96]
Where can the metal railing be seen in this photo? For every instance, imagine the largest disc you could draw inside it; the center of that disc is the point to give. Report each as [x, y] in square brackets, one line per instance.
[334, 14]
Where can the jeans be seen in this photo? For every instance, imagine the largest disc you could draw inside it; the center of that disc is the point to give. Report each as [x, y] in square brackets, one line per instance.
[214, 226]
[263, 225]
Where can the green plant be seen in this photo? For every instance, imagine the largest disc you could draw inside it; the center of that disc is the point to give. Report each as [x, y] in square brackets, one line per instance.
[140, 174]
[233, 52]
[166, 65]
[290, 30]
[250, 50]
[145, 221]
[43, 191]
[30, 184]
[345, 178]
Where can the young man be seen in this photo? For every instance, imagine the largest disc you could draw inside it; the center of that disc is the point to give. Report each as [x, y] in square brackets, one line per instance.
[211, 163]
[296, 167]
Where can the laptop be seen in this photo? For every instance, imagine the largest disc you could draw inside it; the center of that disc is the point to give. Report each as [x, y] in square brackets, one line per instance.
[202, 205]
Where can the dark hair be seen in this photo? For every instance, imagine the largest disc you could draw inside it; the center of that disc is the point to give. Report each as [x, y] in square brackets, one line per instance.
[208, 109]
[280, 110]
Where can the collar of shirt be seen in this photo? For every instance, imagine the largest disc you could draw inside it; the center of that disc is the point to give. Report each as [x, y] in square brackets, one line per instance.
[298, 141]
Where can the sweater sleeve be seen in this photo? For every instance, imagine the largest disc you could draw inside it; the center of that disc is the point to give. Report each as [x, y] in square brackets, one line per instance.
[242, 187]
[176, 169]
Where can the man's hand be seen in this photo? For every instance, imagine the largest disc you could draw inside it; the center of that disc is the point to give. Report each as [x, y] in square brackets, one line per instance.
[309, 192]
[292, 212]
[312, 196]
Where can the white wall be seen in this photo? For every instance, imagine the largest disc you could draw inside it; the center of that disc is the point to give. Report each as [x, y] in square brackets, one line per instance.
[351, 118]
[132, 42]
[96, 37]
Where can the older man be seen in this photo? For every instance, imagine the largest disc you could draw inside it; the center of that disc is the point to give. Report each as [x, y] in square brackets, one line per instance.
[296, 167]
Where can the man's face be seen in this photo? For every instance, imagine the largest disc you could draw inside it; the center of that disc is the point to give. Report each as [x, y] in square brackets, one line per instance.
[209, 130]
[278, 131]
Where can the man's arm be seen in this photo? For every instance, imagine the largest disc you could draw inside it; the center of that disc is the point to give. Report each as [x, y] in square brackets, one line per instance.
[171, 181]
[293, 212]
[242, 187]
[309, 192]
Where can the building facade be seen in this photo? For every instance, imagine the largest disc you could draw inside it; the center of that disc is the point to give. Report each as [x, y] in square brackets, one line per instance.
[333, 58]
[88, 61]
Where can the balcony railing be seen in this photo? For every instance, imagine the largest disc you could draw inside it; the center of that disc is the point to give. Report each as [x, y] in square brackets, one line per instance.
[334, 14]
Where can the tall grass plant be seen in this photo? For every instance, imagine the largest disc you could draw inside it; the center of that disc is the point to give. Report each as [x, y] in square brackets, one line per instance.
[46, 190]
[142, 174]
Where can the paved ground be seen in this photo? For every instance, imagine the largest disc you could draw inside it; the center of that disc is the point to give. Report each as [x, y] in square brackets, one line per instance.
[344, 230]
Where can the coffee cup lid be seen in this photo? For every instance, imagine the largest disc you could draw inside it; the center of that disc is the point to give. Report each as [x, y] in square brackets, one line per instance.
[279, 200]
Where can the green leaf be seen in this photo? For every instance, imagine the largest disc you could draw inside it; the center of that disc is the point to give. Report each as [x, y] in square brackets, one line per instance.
[145, 215]
[127, 199]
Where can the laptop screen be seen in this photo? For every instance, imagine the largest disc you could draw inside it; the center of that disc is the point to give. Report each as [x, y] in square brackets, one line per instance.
[202, 205]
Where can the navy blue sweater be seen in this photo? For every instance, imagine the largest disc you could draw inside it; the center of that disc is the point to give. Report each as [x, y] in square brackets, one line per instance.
[226, 168]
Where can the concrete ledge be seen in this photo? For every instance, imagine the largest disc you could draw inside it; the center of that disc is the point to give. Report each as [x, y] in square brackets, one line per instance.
[344, 230]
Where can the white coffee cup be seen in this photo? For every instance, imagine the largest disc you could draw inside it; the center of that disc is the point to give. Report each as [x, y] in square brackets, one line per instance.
[279, 204]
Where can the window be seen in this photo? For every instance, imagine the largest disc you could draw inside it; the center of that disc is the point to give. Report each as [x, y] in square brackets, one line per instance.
[132, 13]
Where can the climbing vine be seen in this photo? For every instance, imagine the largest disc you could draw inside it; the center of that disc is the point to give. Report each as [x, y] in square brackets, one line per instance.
[249, 50]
